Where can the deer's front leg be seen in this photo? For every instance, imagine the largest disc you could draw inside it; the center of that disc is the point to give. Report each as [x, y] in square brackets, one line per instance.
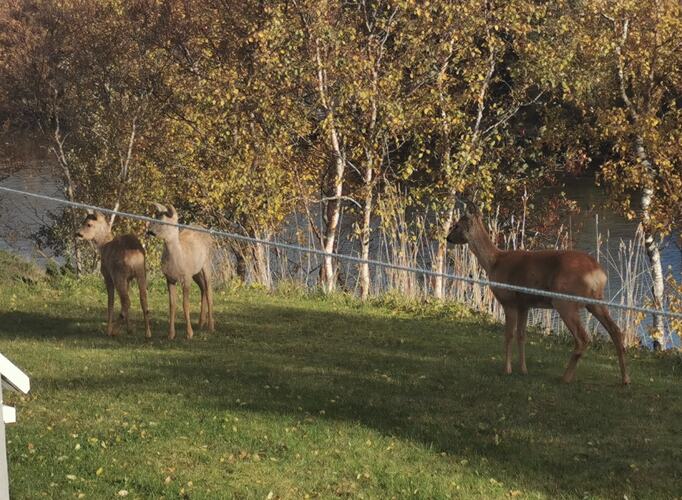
[510, 322]
[185, 307]
[171, 309]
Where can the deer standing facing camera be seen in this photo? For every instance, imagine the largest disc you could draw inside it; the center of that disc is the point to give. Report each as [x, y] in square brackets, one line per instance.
[122, 260]
[186, 257]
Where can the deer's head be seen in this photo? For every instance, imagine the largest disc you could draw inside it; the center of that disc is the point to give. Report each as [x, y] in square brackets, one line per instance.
[460, 233]
[163, 214]
[94, 227]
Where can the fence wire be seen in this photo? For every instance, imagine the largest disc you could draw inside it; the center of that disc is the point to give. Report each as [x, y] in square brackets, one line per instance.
[351, 258]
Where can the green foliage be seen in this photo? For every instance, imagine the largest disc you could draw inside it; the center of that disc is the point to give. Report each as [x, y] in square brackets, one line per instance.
[237, 112]
[14, 268]
[618, 66]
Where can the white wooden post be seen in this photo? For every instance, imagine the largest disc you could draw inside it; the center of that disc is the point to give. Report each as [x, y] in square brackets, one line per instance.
[12, 378]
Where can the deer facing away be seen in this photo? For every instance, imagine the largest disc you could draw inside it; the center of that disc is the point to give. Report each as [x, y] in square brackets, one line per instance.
[122, 260]
[563, 271]
[186, 257]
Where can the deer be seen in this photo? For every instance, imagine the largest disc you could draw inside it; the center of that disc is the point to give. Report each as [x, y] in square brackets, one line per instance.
[122, 260]
[186, 256]
[565, 271]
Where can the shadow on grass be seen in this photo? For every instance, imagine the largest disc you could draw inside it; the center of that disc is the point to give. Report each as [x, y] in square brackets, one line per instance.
[428, 380]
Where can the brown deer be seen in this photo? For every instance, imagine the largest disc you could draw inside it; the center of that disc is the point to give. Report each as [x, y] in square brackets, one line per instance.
[563, 271]
[186, 257]
[122, 260]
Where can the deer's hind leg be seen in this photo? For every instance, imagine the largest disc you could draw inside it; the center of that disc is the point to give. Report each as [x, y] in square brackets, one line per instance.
[570, 314]
[141, 277]
[186, 289]
[200, 280]
[521, 339]
[510, 323]
[121, 285]
[206, 271]
[172, 299]
[602, 314]
[110, 302]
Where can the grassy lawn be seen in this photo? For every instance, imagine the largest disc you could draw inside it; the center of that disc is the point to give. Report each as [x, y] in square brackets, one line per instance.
[297, 396]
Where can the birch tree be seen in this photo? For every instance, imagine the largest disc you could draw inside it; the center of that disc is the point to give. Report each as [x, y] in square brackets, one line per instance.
[468, 87]
[621, 64]
[91, 83]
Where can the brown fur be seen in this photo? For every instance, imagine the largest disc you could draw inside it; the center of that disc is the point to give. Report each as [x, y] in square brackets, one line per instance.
[123, 259]
[563, 271]
[186, 257]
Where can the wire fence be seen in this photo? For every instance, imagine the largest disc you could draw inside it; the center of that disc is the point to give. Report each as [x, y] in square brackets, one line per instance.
[353, 259]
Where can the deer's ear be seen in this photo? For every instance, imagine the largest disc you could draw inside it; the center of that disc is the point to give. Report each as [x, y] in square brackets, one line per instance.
[472, 209]
[160, 209]
[172, 212]
[99, 215]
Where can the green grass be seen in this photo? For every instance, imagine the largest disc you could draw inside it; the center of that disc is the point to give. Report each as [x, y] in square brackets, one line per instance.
[300, 396]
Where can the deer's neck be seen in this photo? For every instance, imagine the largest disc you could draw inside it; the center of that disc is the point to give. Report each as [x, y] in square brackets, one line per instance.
[173, 243]
[103, 240]
[483, 248]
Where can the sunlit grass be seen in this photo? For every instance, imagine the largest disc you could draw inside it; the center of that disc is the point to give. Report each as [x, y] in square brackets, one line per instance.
[297, 395]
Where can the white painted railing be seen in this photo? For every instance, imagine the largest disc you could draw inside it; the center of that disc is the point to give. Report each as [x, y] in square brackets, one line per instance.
[12, 378]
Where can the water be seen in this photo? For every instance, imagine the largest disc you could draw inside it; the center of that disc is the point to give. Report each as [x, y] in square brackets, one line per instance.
[592, 202]
[34, 171]
[30, 169]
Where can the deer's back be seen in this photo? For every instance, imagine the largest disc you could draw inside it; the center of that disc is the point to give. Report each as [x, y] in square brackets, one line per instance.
[123, 255]
[564, 271]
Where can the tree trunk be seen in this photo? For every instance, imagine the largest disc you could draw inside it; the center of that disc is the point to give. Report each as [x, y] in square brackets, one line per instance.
[261, 261]
[654, 255]
[369, 191]
[333, 200]
[240, 262]
[333, 213]
[58, 151]
[652, 249]
[124, 175]
[439, 260]
[365, 232]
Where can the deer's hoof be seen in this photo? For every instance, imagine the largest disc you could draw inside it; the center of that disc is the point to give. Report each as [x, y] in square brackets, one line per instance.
[626, 380]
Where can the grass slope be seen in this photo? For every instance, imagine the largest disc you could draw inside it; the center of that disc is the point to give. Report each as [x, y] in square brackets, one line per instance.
[298, 396]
